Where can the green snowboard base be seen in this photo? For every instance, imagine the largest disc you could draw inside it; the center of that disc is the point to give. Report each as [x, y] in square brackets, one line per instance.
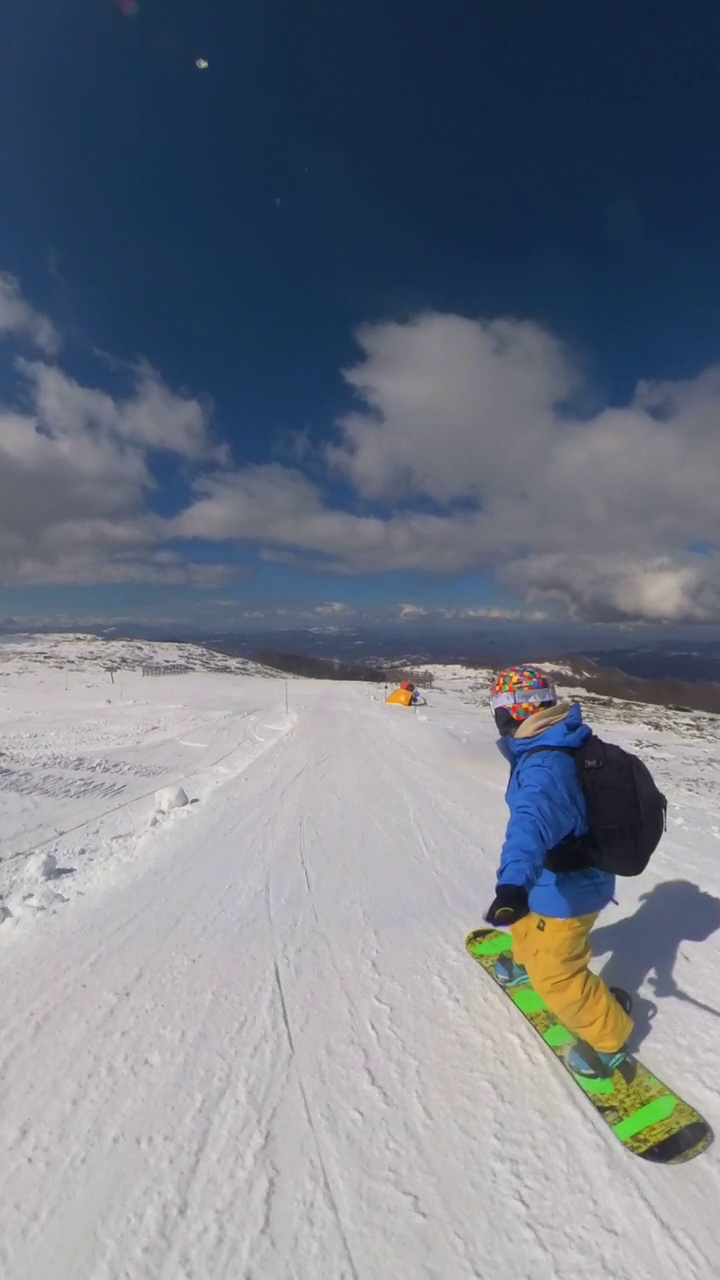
[647, 1117]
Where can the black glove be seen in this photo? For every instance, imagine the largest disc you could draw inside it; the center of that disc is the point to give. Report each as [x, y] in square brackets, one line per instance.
[510, 905]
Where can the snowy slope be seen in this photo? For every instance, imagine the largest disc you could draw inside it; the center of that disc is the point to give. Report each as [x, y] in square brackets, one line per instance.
[241, 1038]
[68, 652]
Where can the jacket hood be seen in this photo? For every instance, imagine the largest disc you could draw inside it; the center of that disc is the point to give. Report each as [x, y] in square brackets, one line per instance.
[541, 720]
[570, 731]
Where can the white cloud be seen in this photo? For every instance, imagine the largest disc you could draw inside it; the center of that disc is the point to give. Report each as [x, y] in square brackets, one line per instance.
[477, 418]
[496, 613]
[285, 512]
[473, 613]
[682, 587]
[152, 417]
[89, 569]
[19, 319]
[76, 477]
[463, 454]
[334, 609]
[452, 407]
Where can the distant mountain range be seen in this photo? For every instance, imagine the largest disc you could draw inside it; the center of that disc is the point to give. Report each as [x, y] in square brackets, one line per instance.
[605, 681]
[697, 662]
[598, 679]
[687, 661]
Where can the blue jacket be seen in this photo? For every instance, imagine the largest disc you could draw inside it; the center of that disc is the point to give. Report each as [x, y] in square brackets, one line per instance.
[546, 804]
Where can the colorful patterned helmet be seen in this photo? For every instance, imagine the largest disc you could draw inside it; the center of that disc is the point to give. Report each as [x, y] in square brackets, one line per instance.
[519, 692]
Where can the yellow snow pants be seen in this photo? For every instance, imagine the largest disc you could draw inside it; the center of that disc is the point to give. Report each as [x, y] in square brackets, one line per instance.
[556, 954]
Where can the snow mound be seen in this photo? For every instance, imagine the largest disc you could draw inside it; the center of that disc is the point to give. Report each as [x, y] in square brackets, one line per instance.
[170, 798]
[43, 866]
[20, 907]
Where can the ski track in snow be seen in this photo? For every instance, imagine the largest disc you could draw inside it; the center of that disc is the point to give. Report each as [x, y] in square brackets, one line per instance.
[241, 1038]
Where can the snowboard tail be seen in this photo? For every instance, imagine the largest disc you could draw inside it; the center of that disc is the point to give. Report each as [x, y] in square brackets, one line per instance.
[649, 1119]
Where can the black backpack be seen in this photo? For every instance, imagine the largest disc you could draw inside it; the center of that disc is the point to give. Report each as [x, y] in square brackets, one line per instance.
[626, 811]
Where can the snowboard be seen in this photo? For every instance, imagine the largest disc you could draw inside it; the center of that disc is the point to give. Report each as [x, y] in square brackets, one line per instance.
[649, 1119]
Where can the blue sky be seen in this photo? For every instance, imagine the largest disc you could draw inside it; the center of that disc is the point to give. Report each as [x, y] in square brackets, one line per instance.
[405, 308]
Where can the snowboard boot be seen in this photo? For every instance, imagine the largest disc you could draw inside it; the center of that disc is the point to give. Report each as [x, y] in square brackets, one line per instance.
[510, 974]
[591, 1063]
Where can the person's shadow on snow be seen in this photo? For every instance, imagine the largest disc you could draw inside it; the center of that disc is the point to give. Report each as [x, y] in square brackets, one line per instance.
[644, 946]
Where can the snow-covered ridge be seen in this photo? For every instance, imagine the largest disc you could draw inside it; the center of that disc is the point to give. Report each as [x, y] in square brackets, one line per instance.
[472, 684]
[558, 668]
[20, 653]
[453, 674]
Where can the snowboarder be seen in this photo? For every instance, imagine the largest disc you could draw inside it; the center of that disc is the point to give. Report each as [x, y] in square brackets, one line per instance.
[550, 915]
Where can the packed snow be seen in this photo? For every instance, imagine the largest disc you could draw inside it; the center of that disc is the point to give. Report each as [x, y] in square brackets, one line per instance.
[241, 1034]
